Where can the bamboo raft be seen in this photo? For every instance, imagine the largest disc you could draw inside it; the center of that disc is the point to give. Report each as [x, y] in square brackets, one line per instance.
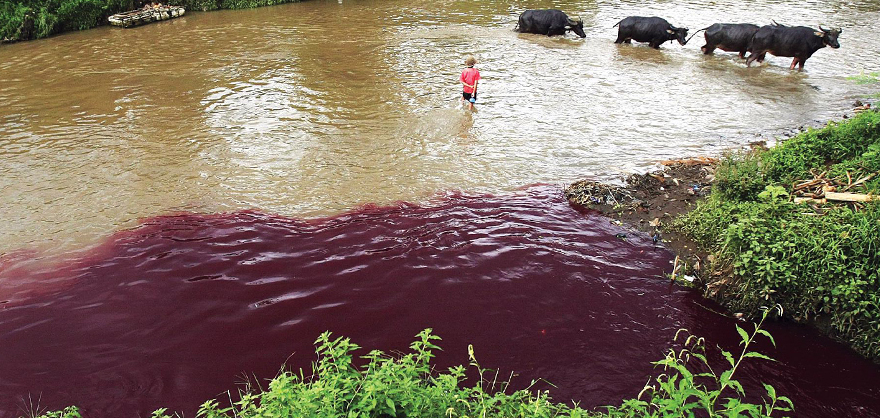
[146, 15]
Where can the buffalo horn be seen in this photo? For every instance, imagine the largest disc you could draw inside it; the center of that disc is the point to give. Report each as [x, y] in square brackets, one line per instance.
[823, 29]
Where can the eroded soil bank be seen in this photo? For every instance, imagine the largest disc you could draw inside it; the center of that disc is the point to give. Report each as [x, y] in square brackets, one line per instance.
[649, 202]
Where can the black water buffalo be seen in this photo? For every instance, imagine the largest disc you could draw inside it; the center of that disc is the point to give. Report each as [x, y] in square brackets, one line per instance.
[730, 37]
[653, 30]
[799, 42]
[549, 22]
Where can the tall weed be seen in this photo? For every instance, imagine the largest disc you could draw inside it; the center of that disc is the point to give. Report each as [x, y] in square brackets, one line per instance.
[688, 390]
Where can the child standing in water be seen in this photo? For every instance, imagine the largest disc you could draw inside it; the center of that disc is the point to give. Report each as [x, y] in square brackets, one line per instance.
[469, 78]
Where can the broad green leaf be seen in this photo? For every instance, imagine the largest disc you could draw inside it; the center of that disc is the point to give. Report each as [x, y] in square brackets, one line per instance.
[743, 334]
[766, 333]
[758, 355]
[390, 404]
[771, 391]
[728, 357]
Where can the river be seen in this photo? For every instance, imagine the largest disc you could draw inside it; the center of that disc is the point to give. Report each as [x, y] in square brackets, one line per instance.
[311, 110]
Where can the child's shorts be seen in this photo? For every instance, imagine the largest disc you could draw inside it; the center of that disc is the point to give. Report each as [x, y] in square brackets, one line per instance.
[470, 97]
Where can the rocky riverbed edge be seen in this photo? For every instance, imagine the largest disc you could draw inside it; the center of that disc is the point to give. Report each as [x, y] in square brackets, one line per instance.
[649, 203]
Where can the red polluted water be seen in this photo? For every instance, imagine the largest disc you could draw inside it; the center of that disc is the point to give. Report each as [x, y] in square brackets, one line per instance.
[184, 307]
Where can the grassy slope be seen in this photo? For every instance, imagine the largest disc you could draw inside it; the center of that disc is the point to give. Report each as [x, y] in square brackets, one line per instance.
[819, 263]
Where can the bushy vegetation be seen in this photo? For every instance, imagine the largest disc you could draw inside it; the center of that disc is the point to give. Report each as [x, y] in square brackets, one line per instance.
[32, 19]
[818, 261]
[409, 386]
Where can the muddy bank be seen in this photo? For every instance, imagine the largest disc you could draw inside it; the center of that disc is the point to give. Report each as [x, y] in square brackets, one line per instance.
[650, 202]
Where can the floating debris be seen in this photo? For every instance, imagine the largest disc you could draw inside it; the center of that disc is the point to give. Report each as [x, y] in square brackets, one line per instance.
[587, 193]
[149, 13]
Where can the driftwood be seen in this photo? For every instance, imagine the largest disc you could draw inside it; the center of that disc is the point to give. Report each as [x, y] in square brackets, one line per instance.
[840, 190]
[850, 197]
[838, 197]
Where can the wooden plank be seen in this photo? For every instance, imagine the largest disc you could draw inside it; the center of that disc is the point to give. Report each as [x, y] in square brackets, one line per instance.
[850, 197]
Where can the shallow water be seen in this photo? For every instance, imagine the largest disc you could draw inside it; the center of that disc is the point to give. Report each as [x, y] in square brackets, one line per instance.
[183, 308]
[313, 108]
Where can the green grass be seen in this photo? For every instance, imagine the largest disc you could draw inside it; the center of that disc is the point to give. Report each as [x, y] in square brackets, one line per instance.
[817, 264]
[32, 19]
[863, 78]
[407, 385]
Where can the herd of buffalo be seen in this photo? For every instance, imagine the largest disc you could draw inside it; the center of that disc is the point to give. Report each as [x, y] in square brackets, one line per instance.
[799, 42]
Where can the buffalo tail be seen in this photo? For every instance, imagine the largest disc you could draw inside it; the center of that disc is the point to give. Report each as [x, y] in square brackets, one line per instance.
[695, 34]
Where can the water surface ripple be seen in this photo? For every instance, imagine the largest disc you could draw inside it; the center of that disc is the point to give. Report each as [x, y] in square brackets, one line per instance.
[182, 308]
[310, 109]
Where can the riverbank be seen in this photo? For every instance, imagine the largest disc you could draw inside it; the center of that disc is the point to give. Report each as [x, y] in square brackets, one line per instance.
[677, 201]
[409, 385]
[22, 20]
[762, 227]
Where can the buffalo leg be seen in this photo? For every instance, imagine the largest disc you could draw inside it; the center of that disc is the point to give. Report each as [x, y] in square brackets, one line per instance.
[742, 54]
[793, 63]
[707, 49]
[751, 59]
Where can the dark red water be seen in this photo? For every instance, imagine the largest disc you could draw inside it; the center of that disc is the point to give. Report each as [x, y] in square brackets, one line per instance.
[177, 311]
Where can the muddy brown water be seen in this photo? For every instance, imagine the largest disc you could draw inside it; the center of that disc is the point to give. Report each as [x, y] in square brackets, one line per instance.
[312, 109]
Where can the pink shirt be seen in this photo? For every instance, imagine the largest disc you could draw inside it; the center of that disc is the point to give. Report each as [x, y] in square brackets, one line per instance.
[470, 76]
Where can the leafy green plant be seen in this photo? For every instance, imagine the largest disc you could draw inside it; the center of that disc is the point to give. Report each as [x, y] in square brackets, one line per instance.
[681, 392]
[740, 176]
[69, 412]
[409, 386]
[32, 19]
[772, 193]
[384, 386]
